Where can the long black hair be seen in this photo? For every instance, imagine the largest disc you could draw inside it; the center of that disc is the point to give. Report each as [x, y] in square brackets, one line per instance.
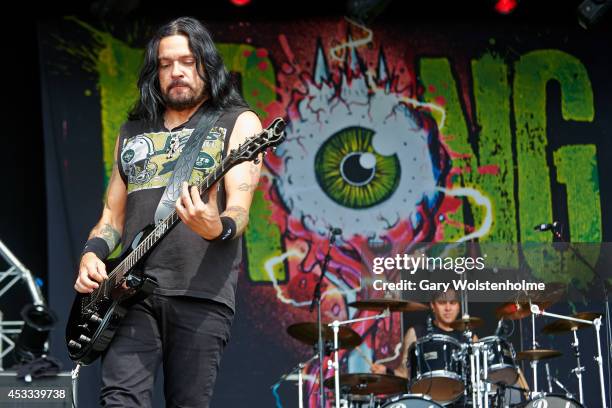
[219, 86]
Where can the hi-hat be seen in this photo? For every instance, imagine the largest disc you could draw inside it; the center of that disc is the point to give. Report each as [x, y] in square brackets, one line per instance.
[467, 323]
[308, 333]
[394, 305]
[366, 383]
[567, 326]
[537, 354]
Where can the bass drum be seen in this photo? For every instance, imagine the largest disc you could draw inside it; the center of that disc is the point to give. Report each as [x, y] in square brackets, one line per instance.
[435, 368]
[550, 401]
[410, 401]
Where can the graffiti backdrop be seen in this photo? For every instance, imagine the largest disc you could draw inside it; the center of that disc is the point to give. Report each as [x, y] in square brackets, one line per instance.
[398, 135]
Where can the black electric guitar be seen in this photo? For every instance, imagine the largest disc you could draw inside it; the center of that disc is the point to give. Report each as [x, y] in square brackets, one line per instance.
[94, 317]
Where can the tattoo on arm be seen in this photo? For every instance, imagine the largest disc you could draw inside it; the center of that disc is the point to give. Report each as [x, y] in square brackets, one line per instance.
[247, 187]
[239, 215]
[108, 234]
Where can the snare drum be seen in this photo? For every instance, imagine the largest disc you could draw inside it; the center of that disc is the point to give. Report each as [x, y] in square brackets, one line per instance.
[550, 401]
[410, 401]
[500, 360]
[435, 368]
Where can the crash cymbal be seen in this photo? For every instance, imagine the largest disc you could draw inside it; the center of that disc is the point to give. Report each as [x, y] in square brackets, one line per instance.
[308, 333]
[394, 305]
[553, 293]
[517, 311]
[519, 306]
[366, 383]
[566, 326]
[465, 323]
[537, 354]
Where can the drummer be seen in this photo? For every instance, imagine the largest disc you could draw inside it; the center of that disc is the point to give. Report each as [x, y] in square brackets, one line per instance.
[445, 308]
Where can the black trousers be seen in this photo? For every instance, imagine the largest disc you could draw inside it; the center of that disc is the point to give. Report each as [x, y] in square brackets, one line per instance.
[187, 335]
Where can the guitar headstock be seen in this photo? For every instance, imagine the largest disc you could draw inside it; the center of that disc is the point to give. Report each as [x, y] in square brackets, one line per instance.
[271, 136]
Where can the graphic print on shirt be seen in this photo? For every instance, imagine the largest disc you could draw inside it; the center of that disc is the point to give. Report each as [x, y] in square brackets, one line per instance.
[148, 159]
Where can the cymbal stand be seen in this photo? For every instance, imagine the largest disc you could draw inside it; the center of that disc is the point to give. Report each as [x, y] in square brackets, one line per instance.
[579, 367]
[473, 376]
[597, 324]
[554, 380]
[478, 385]
[479, 357]
[335, 325]
[476, 350]
[534, 363]
[485, 369]
[300, 373]
[558, 233]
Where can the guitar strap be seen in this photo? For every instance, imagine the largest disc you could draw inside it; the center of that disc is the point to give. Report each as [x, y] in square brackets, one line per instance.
[184, 164]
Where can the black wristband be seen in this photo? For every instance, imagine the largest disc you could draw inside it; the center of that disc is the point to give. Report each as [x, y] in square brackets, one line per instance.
[98, 246]
[229, 229]
[389, 371]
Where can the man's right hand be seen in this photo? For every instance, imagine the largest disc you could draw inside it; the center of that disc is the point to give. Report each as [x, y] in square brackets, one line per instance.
[378, 368]
[91, 271]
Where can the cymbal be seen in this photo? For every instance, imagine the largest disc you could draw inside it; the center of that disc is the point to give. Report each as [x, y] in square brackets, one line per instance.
[366, 383]
[518, 310]
[394, 305]
[567, 326]
[308, 333]
[519, 306]
[537, 354]
[463, 323]
[554, 293]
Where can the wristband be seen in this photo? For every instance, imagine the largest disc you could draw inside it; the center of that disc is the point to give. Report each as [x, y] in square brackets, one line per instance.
[389, 371]
[98, 246]
[229, 229]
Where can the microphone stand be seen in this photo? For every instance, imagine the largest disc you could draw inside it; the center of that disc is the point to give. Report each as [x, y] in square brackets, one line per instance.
[581, 258]
[316, 300]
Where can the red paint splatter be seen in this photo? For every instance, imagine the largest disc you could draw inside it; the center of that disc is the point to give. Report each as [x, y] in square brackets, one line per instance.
[440, 100]
[263, 65]
[287, 69]
[246, 53]
[431, 89]
[456, 155]
[261, 52]
[489, 169]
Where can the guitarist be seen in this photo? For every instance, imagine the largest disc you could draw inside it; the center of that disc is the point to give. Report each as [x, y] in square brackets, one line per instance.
[186, 322]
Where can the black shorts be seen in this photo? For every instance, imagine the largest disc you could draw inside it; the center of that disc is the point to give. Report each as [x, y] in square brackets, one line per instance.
[186, 334]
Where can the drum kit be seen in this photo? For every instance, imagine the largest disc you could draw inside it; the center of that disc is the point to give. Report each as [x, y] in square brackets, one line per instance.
[444, 371]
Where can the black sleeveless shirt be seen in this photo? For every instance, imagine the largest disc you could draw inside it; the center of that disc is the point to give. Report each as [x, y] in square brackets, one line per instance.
[183, 263]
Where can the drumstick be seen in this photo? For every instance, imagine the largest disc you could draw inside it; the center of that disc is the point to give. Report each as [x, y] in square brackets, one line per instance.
[522, 382]
[366, 358]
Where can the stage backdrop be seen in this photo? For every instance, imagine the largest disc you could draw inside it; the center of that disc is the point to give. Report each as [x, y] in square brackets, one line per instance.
[397, 135]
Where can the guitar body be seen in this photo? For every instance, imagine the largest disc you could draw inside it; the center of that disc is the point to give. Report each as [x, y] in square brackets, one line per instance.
[94, 318]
